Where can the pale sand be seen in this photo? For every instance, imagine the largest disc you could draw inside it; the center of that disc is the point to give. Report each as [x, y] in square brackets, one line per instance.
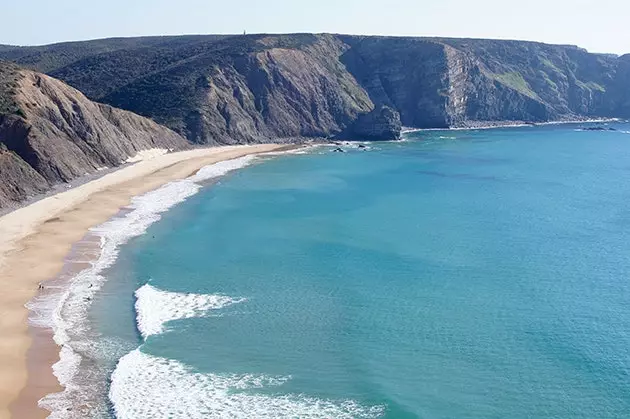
[35, 240]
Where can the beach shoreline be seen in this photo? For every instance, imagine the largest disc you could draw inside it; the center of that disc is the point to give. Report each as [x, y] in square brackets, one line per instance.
[45, 232]
[510, 124]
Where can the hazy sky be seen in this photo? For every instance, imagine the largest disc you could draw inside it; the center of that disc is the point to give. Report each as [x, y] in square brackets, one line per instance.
[599, 26]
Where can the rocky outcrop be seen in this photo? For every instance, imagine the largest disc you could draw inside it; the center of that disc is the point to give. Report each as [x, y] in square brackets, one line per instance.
[381, 124]
[52, 133]
[18, 179]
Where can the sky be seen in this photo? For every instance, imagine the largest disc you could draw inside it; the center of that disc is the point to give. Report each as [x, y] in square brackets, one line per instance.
[597, 25]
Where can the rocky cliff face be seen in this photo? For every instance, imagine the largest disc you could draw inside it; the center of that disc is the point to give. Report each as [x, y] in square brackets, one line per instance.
[618, 93]
[256, 88]
[408, 75]
[552, 81]
[18, 179]
[252, 90]
[260, 88]
[218, 89]
[381, 124]
[51, 133]
[437, 83]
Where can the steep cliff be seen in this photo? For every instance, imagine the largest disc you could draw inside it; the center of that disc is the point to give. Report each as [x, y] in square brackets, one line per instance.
[448, 82]
[255, 88]
[18, 179]
[618, 103]
[567, 80]
[381, 124]
[51, 133]
[260, 87]
[251, 89]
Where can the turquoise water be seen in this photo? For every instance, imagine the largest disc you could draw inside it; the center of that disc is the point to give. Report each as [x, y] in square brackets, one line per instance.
[460, 274]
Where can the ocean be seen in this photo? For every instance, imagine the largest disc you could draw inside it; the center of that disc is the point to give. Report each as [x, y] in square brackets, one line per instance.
[456, 274]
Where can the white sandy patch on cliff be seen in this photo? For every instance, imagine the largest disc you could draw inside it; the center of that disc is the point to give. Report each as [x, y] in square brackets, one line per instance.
[147, 155]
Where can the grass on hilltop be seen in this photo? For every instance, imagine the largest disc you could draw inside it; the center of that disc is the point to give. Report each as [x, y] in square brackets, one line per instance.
[9, 77]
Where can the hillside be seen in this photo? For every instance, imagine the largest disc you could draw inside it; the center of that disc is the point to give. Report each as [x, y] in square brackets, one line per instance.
[51, 133]
[47, 58]
[255, 88]
[261, 88]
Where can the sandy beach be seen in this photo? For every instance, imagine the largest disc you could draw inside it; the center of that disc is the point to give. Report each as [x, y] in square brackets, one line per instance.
[34, 242]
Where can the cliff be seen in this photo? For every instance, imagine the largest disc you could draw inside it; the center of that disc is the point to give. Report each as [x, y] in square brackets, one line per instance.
[255, 88]
[19, 180]
[251, 89]
[618, 103]
[51, 133]
[381, 124]
[437, 83]
[260, 88]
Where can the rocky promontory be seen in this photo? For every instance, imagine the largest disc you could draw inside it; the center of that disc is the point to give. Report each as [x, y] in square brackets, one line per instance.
[381, 124]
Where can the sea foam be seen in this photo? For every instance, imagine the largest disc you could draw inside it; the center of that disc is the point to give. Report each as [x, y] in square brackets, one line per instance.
[146, 386]
[66, 310]
[155, 307]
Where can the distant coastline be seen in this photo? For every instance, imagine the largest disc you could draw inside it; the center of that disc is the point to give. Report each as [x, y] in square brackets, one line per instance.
[475, 125]
[309, 88]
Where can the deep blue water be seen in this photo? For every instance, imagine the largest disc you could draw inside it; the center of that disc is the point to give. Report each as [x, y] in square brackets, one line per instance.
[459, 274]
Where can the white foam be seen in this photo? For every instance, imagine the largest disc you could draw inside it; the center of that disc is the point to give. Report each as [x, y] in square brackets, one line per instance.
[155, 307]
[66, 311]
[221, 168]
[304, 149]
[145, 386]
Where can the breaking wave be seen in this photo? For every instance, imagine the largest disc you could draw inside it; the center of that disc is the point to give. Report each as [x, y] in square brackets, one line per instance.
[144, 386]
[65, 307]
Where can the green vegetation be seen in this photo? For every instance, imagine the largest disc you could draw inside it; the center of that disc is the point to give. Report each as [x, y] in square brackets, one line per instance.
[516, 81]
[591, 85]
[9, 77]
[547, 63]
[289, 41]
[594, 86]
[48, 58]
[552, 84]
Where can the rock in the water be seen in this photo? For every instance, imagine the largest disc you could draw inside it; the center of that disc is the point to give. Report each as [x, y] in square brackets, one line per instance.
[382, 124]
[598, 129]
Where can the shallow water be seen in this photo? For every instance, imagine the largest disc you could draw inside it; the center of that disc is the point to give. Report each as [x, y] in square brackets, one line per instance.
[467, 274]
